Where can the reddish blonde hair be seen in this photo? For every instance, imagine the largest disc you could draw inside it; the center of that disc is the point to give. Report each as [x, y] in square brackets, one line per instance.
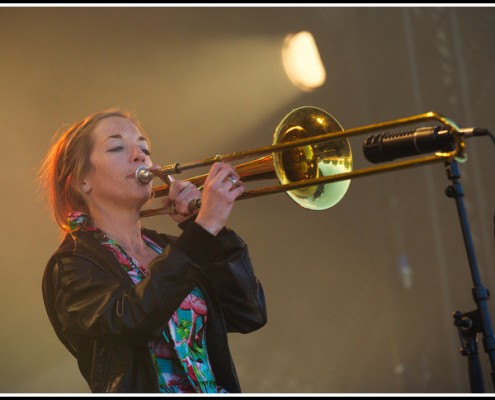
[67, 163]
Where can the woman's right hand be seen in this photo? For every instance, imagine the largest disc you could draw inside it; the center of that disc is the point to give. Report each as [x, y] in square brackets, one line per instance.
[220, 190]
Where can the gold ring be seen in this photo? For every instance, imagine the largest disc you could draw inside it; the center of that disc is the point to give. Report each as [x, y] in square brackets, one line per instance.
[234, 181]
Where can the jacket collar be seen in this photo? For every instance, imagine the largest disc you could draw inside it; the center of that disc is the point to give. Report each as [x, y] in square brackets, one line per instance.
[84, 244]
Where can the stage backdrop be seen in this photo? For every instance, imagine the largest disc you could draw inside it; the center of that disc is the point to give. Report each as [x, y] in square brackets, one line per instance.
[360, 296]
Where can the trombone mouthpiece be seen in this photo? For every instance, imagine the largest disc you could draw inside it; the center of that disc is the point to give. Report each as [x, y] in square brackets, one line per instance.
[143, 175]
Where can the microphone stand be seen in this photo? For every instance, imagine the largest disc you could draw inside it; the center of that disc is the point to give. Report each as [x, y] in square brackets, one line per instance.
[470, 323]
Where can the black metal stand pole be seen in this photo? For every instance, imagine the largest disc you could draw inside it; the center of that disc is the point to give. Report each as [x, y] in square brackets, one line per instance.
[479, 320]
[468, 329]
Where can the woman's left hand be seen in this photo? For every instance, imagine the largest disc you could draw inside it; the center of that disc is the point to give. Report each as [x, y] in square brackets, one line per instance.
[181, 195]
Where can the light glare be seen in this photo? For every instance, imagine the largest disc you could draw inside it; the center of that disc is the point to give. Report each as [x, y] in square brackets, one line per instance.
[302, 62]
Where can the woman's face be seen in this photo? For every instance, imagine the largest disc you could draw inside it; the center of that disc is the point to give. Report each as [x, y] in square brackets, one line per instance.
[118, 150]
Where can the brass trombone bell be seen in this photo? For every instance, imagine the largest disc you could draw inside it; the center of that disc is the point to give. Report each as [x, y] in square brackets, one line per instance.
[303, 163]
[311, 157]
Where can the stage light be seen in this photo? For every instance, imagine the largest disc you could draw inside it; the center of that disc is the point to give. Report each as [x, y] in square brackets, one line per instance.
[302, 62]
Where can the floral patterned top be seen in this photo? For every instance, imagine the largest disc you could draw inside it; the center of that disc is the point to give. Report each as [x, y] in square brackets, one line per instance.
[179, 354]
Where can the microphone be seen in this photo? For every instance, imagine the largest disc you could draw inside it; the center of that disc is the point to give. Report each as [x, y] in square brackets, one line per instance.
[391, 145]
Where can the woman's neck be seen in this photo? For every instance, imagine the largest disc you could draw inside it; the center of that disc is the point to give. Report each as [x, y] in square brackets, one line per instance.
[124, 227]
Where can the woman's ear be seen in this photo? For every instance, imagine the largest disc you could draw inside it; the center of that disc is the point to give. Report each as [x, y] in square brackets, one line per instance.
[85, 187]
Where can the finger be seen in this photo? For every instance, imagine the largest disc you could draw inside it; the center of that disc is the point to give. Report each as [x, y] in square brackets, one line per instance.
[223, 172]
[166, 201]
[155, 167]
[187, 190]
[238, 189]
[235, 182]
[212, 173]
[176, 187]
[228, 170]
[186, 200]
[233, 171]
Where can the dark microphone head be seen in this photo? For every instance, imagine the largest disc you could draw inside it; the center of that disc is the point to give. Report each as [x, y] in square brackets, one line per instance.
[384, 147]
[374, 151]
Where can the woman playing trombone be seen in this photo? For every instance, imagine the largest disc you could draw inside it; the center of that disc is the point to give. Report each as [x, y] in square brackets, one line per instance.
[143, 311]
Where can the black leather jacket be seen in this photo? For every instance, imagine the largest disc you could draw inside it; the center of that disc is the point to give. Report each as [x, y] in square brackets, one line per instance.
[106, 322]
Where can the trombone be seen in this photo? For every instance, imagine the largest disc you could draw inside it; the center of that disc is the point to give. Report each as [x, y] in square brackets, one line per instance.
[311, 157]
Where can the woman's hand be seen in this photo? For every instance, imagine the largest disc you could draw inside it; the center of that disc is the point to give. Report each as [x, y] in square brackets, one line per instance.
[220, 190]
[181, 195]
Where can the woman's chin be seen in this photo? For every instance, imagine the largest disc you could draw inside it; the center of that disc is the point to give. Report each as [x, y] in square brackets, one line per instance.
[141, 198]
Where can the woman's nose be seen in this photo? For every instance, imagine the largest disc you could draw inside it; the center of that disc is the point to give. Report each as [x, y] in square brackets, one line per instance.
[138, 155]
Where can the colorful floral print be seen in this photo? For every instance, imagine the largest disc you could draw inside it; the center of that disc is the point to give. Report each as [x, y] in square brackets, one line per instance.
[180, 354]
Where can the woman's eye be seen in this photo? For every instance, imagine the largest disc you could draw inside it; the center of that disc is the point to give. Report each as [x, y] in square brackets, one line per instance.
[118, 148]
[146, 151]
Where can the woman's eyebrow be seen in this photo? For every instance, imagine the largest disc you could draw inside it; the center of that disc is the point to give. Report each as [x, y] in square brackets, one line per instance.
[116, 136]
[119, 136]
